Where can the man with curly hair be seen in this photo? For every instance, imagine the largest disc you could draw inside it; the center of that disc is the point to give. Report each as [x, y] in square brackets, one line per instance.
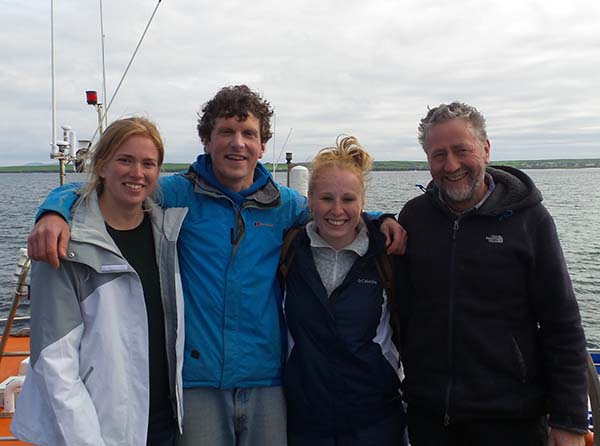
[229, 247]
[237, 218]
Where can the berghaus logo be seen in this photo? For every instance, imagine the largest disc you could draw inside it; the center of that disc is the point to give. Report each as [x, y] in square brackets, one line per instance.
[258, 224]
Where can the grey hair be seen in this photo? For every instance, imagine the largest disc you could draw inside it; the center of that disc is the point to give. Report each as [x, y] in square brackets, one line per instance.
[455, 110]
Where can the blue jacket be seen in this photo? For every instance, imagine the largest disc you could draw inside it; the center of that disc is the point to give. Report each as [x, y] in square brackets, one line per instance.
[228, 255]
[337, 378]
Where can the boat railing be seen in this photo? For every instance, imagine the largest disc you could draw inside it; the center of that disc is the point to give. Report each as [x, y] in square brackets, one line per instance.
[593, 368]
[21, 291]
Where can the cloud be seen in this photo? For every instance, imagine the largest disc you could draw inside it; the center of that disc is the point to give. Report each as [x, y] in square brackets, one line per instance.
[328, 68]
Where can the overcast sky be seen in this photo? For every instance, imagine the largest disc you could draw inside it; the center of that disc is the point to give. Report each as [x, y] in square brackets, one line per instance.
[369, 69]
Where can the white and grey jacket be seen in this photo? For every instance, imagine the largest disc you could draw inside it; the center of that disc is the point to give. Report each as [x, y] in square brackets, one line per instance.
[88, 381]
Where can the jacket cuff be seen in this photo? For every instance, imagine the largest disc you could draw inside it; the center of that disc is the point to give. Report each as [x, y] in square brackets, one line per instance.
[568, 423]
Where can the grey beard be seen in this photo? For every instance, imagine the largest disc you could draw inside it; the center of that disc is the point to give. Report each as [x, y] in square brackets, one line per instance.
[462, 194]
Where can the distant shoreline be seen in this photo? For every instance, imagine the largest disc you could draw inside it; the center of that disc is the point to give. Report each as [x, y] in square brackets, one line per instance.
[377, 165]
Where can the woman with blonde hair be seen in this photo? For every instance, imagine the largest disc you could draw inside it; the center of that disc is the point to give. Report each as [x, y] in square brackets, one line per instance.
[107, 325]
[342, 375]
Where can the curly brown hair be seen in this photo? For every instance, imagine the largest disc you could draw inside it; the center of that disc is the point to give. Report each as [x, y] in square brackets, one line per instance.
[235, 100]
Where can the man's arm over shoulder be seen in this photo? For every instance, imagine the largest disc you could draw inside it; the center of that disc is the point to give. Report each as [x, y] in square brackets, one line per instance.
[174, 190]
[299, 215]
[394, 233]
[297, 206]
[562, 338]
[48, 240]
[60, 200]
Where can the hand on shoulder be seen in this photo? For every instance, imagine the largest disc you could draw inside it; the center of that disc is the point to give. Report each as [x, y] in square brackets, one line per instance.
[48, 239]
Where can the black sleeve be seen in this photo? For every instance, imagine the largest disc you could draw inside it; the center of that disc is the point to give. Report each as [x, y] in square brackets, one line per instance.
[562, 339]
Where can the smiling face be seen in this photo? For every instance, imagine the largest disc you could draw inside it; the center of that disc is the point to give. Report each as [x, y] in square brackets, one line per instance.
[235, 148]
[457, 162]
[130, 175]
[336, 201]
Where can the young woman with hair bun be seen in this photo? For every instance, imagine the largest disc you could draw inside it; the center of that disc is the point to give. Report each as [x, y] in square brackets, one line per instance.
[342, 377]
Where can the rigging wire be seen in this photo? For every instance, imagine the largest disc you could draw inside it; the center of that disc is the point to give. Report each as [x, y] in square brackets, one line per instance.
[281, 151]
[127, 68]
[274, 164]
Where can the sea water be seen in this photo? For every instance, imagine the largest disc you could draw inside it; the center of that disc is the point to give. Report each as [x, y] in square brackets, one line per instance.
[571, 195]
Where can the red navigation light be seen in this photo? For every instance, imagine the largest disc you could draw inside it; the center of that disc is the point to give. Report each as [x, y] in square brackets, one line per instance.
[92, 97]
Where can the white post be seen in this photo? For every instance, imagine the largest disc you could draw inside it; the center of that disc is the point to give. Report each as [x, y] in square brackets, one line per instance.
[299, 178]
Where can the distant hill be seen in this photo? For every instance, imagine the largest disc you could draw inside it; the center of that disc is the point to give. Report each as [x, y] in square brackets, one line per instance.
[377, 165]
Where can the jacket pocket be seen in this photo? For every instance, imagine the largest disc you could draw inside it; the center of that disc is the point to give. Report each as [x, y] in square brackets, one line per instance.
[87, 374]
[520, 360]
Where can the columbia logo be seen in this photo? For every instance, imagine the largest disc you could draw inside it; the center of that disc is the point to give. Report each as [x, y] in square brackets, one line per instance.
[258, 224]
[369, 281]
[494, 239]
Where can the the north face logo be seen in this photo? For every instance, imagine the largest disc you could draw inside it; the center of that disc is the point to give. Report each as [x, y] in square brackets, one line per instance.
[494, 238]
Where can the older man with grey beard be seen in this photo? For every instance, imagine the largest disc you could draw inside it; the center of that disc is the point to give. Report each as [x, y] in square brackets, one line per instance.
[493, 347]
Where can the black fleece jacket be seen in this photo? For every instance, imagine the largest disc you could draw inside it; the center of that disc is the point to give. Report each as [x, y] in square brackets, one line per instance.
[491, 325]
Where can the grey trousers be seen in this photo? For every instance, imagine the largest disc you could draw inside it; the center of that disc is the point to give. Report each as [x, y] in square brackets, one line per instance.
[253, 416]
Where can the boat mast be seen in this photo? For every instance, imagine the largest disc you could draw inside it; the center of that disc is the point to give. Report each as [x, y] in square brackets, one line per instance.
[65, 151]
[53, 147]
[59, 148]
[103, 117]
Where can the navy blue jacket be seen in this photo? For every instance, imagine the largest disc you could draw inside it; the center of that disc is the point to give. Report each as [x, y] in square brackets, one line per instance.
[336, 378]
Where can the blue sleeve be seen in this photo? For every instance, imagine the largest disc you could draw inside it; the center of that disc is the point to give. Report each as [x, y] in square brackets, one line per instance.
[298, 206]
[60, 200]
[378, 215]
[173, 191]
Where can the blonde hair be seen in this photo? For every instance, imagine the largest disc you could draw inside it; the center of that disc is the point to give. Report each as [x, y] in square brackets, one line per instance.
[110, 141]
[348, 154]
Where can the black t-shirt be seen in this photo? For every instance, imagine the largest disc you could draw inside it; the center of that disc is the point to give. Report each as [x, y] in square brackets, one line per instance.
[137, 246]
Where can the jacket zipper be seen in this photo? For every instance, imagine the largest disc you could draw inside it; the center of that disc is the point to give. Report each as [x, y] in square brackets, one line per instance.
[170, 337]
[450, 324]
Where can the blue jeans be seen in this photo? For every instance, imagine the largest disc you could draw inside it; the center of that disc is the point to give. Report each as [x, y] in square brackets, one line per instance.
[236, 417]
